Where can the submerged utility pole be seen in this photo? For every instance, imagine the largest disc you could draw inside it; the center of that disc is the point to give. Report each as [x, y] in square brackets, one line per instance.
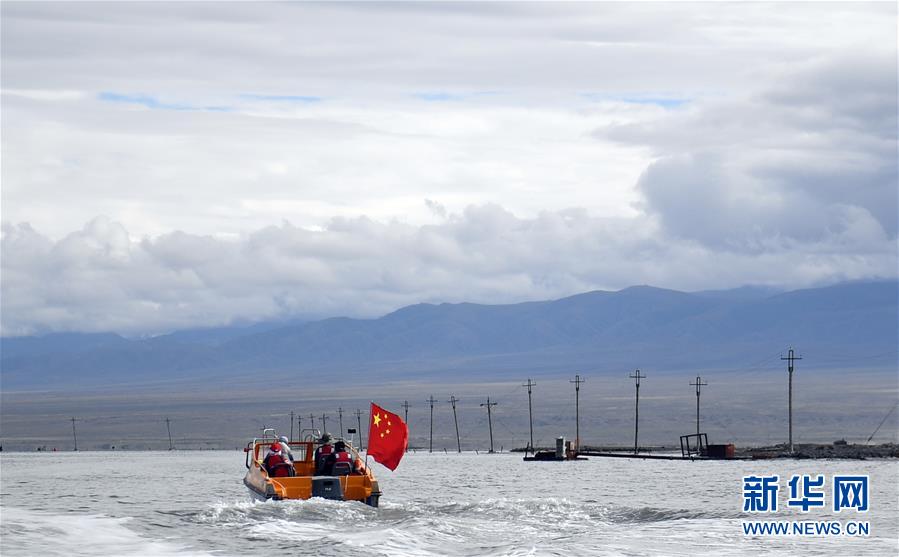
[453, 400]
[406, 417]
[300, 426]
[530, 384]
[169, 429]
[699, 384]
[340, 420]
[490, 420]
[324, 424]
[291, 424]
[577, 412]
[431, 442]
[74, 435]
[790, 359]
[312, 421]
[359, 423]
[637, 377]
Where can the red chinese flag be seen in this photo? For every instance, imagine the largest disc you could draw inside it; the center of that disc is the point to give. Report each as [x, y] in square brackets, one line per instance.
[388, 437]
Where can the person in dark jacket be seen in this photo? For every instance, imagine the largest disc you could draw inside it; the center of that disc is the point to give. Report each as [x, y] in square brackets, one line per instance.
[322, 453]
[339, 456]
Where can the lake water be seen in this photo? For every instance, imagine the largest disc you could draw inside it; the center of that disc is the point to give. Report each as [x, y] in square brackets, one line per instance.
[194, 503]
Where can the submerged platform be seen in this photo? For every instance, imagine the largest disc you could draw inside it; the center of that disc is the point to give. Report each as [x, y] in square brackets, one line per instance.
[552, 456]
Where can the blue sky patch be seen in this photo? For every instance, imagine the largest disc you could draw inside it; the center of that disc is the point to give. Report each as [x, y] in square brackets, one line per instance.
[283, 98]
[663, 101]
[155, 104]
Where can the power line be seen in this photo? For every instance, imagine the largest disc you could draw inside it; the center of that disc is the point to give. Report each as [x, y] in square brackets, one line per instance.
[169, 429]
[359, 424]
[883, 421]
[406, 417]
[74, 434]
[431, 400]
[489, 404]
[577, 412]
[790, 359]
[530, 384]
[699, 384]
[453, 400]
[636, 377]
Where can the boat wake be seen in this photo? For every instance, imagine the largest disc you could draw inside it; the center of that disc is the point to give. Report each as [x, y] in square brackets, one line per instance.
[26, 532]
[430, 528]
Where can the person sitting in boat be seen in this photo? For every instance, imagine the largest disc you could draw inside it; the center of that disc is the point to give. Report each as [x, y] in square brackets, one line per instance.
[340, 463]
[322, 453]
[276, 463]
[285, 448]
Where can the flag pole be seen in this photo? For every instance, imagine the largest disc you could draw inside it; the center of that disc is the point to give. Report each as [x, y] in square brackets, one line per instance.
[370, 403]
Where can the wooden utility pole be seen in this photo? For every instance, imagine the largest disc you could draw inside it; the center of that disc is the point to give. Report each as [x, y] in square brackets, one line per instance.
[490, 420]
[74, 435]
[312, 421]
[530, 384]
[406, 417]
[359, 424]
[406, 412]
[169, 429]
[431, 400]
[324, 424]
[300, 426]
[340, 420]
[636, 377]
[790, 359]
[291, 424]
[453, 400]
[699, 384]
[577, 412]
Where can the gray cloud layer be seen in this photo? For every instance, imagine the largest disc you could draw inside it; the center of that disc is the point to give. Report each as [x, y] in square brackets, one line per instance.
[488, 152]
[100, 279]
[810, 161]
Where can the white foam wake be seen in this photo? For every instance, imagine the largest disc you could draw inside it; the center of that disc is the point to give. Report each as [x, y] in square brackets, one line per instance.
[26, 532]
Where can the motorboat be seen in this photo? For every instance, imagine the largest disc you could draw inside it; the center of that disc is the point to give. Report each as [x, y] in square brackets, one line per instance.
[305, 478]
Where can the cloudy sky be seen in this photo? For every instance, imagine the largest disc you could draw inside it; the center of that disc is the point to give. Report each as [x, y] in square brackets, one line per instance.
[170, 165]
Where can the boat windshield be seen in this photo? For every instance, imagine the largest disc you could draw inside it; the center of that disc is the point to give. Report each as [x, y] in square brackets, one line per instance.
[298, 450]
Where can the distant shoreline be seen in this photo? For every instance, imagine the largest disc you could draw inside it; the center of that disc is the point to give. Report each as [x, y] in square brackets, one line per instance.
[805, 451]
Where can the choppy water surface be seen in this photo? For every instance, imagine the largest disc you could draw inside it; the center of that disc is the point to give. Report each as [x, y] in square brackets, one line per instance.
[193, 503]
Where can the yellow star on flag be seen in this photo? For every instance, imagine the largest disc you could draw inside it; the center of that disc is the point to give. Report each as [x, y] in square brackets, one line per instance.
[377, 419]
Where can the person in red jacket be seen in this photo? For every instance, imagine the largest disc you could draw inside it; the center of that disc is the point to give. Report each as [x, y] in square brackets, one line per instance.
[276, 464]
[322, 453]
[340, 462]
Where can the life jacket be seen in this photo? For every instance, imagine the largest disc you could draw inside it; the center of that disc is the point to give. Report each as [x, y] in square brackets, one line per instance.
[271, 466]
[343, 463]
[321, 455]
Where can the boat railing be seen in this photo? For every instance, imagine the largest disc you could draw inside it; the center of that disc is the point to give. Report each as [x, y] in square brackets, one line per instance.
[312, 435]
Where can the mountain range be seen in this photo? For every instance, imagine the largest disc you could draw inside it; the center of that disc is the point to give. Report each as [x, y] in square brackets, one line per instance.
[640, 326]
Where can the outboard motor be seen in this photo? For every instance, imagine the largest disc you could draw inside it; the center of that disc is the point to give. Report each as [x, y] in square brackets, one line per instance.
[327, 487]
